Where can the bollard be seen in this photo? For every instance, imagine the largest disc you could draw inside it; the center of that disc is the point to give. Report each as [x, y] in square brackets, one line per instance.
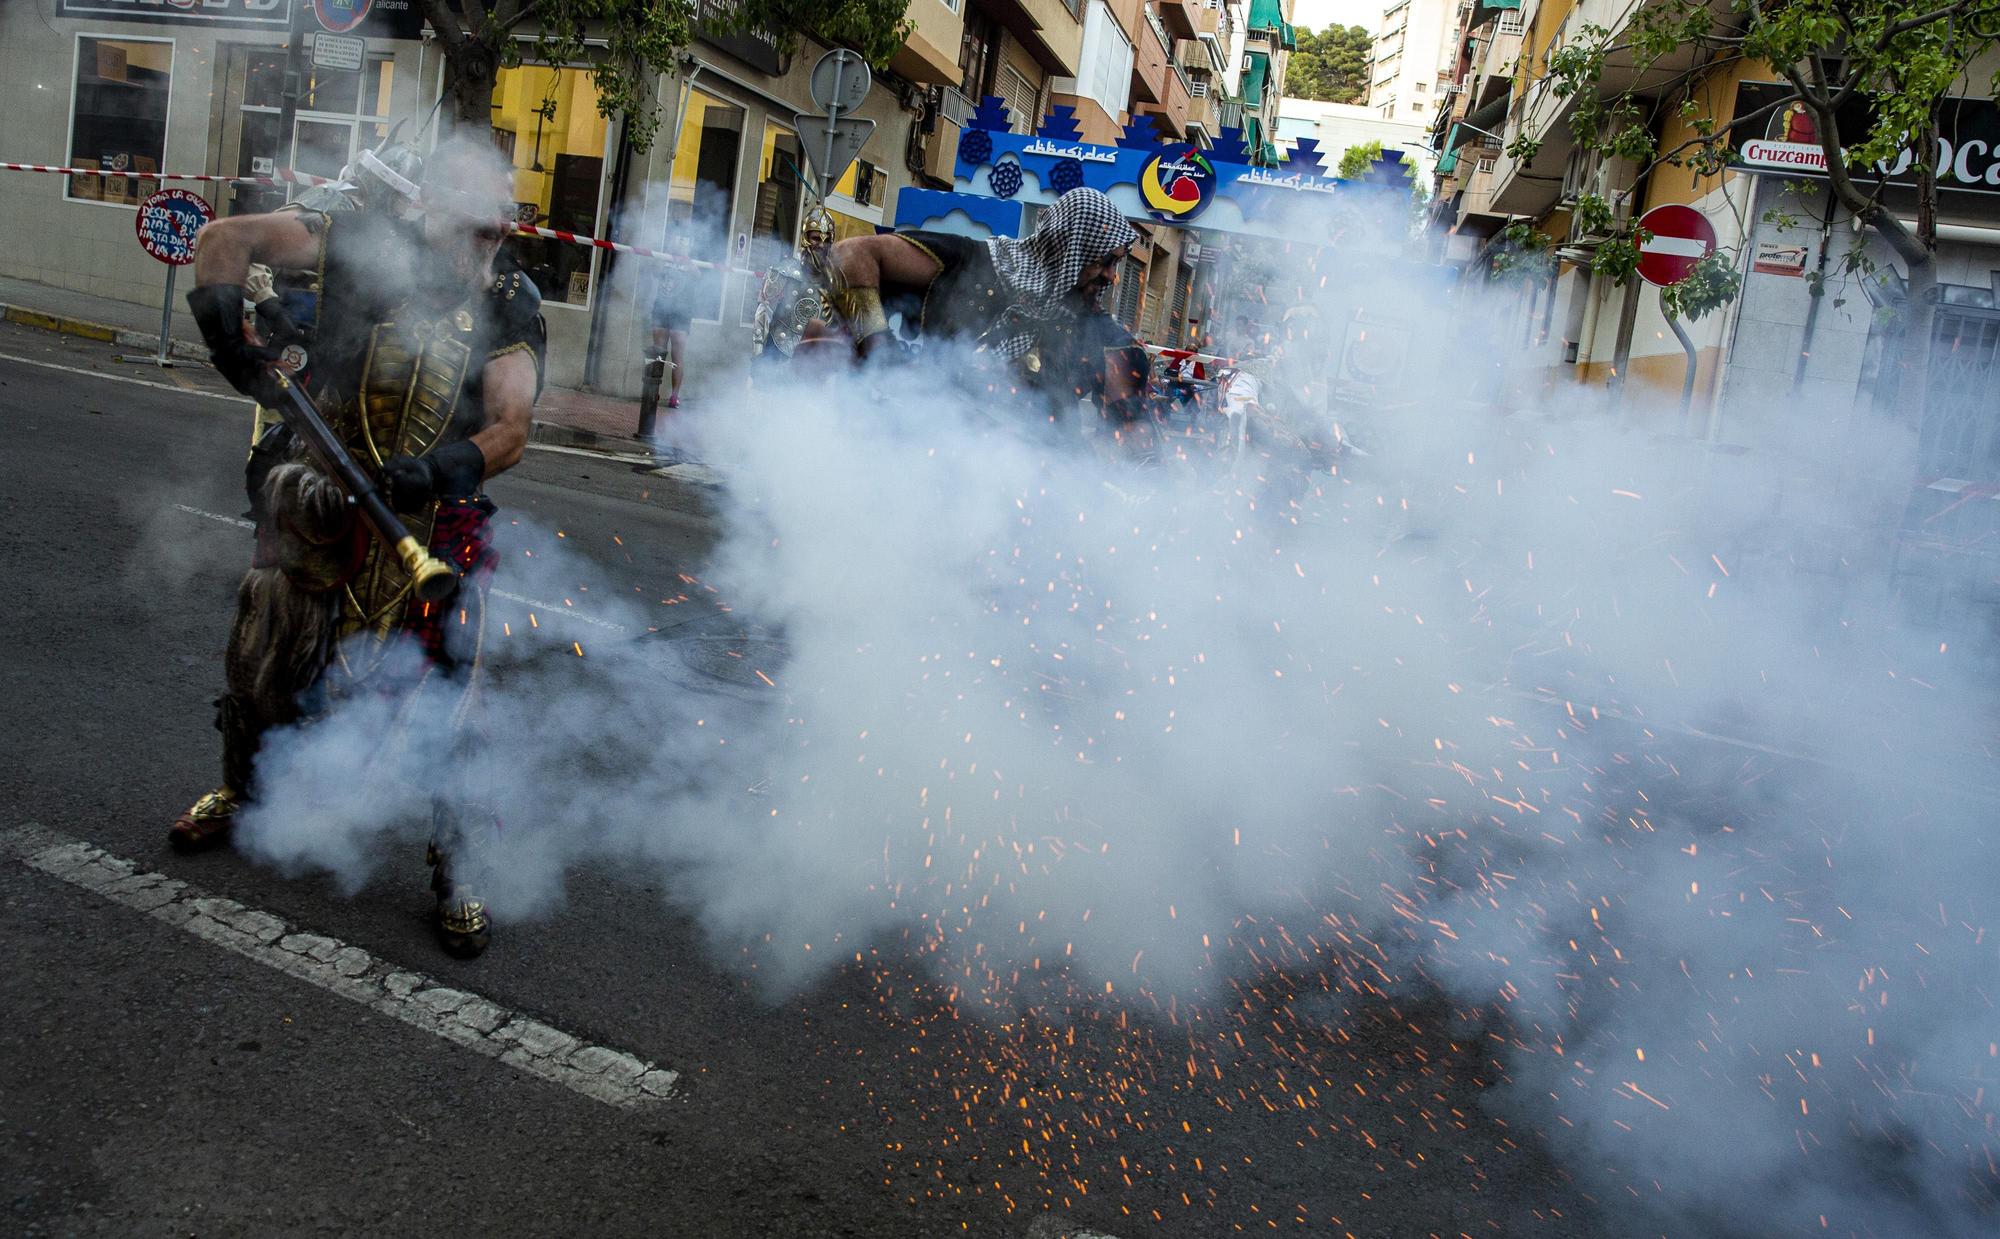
[649, 396]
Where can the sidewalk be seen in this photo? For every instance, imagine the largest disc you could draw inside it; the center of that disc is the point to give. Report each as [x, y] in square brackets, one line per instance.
[564, 417]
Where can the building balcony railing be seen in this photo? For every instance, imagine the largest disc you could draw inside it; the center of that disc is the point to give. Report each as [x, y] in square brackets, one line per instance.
[1150, 58]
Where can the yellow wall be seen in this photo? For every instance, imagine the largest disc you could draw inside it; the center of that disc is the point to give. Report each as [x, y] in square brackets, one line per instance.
[1715, 99]
[576, 129]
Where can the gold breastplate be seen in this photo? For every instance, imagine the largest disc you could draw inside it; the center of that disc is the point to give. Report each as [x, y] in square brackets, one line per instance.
[411, 379]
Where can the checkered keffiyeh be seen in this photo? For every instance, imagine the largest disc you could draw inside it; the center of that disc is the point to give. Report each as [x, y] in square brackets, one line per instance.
[1080, 229]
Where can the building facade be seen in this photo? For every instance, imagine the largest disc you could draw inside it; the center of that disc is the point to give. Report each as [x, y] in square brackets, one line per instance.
[151, 85]
[1412, 59]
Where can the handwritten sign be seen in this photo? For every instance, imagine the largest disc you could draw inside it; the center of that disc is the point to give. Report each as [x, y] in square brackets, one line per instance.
[167, 222]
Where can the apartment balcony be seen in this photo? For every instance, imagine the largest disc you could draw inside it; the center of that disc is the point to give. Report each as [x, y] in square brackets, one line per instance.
[1207, 17]
[1051, 30]
[1172, 110]
[1178, 16]
[1195, 56]
[1203, 112]
[1228, 114]
[1151, 65]
[930, 55]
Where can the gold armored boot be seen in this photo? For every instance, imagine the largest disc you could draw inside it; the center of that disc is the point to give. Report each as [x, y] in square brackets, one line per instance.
[463, 928]
[207, 821]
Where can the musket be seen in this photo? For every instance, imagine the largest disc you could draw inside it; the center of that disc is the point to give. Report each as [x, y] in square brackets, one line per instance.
[431, 578]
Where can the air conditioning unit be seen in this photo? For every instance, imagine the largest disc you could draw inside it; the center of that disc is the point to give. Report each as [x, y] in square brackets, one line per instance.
[1589, 172]
[941, 150]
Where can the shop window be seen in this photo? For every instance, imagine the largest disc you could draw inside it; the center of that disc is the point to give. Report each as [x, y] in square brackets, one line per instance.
[546, 120]
[339, 115]
[118, 115]
[774, 227]
[702, 199]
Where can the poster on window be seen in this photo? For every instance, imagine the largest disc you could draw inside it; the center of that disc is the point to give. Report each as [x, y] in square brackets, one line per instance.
[386, 19]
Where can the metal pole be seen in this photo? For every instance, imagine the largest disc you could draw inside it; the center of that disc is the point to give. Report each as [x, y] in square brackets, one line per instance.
[288, 111]
[827, 176]
[166, 315]
[1687, 346]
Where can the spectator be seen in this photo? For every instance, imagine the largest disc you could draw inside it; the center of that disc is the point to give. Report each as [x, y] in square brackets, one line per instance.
[674, 300]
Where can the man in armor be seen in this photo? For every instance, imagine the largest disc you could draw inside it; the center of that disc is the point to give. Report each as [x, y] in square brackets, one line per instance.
[1025, 302]
[285, 303]
[427, 363]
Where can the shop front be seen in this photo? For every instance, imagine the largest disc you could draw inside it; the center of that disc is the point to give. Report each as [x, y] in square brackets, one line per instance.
[150, 86]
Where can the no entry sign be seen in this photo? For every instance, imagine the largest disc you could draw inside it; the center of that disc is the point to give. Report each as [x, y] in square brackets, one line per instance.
[167, 223]
[1682, 237]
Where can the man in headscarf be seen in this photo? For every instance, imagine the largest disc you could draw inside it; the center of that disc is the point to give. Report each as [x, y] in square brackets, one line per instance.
[1020, 299]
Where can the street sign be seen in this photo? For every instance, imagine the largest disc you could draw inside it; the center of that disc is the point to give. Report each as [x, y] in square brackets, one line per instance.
[167, 222]
[832, 143]
[1682, 237]
[339, 52]
[340, 16]
[840, 80]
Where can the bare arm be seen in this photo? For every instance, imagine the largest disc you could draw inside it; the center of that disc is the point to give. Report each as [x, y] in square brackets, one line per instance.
[509, 384]
[224, 250]
[868, 261]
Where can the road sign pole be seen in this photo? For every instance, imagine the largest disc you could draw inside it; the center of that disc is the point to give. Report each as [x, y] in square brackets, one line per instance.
[1687, 346]
[166, 316]
[833, 110]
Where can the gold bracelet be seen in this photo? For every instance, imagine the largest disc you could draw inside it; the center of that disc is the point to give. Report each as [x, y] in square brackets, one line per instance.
[864, 313]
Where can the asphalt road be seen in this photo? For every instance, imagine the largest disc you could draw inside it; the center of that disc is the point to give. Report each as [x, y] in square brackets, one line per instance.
[152, 1083]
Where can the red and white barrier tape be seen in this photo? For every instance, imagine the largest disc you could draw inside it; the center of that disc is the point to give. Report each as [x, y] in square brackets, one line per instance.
[557, 234]
[284, 176]
[287, 176]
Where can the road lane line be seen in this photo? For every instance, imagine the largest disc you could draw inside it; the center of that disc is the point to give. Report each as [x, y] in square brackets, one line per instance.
[601, 1073]
[560, 610]
[232, 397]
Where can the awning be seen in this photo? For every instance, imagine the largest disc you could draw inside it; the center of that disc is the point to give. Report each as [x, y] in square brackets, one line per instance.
[1253, 79]
[1487, 9]
[1270, 15]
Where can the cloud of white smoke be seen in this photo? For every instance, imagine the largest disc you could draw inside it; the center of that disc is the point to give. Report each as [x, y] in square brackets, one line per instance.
[1618, 743]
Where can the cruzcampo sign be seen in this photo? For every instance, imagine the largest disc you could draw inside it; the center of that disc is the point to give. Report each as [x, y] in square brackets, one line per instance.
[1785, 140]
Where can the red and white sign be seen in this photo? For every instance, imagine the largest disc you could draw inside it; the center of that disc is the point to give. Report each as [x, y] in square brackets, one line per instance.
[340, 16]
[1759, 153]
[167, 222]
[1682, 237]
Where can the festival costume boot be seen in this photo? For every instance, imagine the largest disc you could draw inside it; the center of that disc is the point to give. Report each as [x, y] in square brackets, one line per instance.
[463, 928]
[207, 822]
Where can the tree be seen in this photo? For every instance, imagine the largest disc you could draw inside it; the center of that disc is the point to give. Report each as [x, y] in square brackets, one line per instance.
[1356, 159]
[641, 38]
[1331, 67]
[1872, 76]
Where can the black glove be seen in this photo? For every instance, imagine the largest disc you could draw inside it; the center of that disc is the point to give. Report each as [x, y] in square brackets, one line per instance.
[275, 324]
[218, 311]
[453, 471]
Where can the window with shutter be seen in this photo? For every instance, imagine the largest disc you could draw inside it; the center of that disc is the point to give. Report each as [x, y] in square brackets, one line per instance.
[1128, 293]
[1023, 99]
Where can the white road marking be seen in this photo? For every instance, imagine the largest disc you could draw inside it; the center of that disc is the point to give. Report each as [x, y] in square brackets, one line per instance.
[177, 390]
[237, 521]
[599, 1072]
[560, 610]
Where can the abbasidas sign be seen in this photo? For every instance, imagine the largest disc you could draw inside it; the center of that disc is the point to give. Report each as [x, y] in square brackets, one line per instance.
[1787, 140]
[386, 19]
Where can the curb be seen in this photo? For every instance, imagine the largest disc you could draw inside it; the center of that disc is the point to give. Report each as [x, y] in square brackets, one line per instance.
[64, 324]
[559, 435]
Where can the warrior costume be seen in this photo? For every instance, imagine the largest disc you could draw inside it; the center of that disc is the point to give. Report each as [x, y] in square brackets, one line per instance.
[397, 370]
